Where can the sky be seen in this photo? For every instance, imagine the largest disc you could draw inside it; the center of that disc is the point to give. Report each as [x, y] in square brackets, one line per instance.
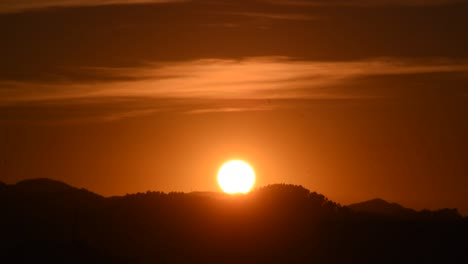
[354, 99]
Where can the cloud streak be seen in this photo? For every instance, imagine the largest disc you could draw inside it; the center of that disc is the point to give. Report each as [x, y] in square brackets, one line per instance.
[258, 77]
[277, 16]
[364, 2]
[12, 6]
[220, 85]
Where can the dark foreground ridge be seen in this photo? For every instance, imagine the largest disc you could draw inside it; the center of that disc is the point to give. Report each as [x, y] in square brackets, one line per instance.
[45, 221]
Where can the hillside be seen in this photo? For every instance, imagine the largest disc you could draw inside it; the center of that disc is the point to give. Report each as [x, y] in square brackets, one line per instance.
[3, 186]
[50, 221]
[382, 207]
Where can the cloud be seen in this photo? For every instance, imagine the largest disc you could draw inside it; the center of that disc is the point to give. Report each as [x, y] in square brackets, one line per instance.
[220, 85]
[48, 45]
[258, 77]
[229, 109]
[277, 16]
[9, 6]
[364, 2]
[12, 6]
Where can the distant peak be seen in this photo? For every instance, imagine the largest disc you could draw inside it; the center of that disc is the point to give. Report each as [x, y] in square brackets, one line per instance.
[380, 202]
[40, 180]
[377, 200]
[379, 206]
[42, 184]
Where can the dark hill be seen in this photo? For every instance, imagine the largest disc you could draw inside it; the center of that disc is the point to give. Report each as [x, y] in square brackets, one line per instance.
[3, 186]
[42, 186]
[381, 207]
[215, 195]
[48, 188]
[278, 223]
[57, 252]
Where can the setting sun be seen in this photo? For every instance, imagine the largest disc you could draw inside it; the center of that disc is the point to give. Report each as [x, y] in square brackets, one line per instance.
[236, 176]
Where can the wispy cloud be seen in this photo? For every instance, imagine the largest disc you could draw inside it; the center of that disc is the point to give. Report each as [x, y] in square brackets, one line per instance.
[229, 109]
[219, 85]
[363, 2]
[259, 77]
[277, 16]
[8, 6]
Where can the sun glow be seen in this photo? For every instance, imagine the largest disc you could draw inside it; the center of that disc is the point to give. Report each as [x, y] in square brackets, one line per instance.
[236, 176]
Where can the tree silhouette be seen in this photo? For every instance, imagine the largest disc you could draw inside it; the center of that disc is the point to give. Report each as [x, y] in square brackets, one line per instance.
[54, 222]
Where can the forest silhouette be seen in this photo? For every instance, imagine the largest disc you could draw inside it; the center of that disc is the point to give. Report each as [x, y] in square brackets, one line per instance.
[45, 221]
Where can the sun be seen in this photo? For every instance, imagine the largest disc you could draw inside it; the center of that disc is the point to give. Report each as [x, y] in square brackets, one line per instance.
[236, 176]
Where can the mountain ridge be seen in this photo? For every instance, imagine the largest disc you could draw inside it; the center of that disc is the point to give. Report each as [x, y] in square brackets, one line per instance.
[381, 206]
[3, 185]
[277, 223]
[376, 206]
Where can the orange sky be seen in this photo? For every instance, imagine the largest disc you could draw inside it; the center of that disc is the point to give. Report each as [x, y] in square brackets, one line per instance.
[353, 99]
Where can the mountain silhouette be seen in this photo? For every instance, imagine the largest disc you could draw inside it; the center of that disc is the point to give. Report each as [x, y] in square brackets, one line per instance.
[3, 186]
[382, 207]
[42, 185]
[52, 222]
[47, 188]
